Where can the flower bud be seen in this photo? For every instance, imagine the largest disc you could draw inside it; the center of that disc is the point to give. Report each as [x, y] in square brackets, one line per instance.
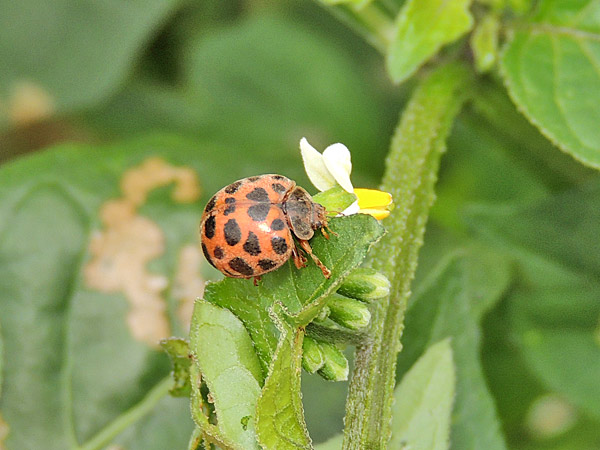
[365, 284]
[312, 356]
[348, 312]
[335, 367]
[323, 314]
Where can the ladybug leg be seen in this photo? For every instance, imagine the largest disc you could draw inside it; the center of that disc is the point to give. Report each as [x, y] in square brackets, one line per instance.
[256, 280]
[327, 231]
[306, 247]
[299, 259]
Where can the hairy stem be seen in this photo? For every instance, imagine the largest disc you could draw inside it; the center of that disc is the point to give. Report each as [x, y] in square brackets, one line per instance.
[411, 173]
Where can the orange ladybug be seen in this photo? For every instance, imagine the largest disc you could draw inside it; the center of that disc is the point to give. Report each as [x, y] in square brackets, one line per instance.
[248, 228]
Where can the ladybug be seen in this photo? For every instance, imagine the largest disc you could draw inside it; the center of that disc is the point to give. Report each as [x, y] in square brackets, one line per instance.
[248, 228]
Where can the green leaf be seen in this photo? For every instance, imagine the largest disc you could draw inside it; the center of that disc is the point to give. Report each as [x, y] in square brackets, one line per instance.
[554, 312]
[335, 443]
[450, 302]
[412, 168]
[179, 353]
[422, 28]
[280, 420]
[196, 440]
[223, 354]
[555, 331]
[551, 68]
[74, 373]
[484, 167]
[157, 422]
[257, 76]
[423, 401]
[46, 217]
[561, 230]
[249, 88]
[83, 49]
[303, 292]
[1, 360]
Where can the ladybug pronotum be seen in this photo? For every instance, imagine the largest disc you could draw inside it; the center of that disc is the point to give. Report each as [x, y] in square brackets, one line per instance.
[248, 228]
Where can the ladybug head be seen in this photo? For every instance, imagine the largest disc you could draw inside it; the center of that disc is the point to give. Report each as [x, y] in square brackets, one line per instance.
[319, 216]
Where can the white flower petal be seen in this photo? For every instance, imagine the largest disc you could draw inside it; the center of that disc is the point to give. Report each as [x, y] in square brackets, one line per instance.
[337, 160]
[352, 209]
[315, 167]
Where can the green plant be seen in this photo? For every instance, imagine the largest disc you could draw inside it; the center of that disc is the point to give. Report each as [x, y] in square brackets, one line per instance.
[492, 342]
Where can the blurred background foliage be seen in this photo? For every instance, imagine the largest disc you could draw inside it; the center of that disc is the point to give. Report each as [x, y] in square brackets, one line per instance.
[231, 86]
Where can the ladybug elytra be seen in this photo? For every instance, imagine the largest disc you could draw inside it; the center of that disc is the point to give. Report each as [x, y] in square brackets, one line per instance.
[248, 228]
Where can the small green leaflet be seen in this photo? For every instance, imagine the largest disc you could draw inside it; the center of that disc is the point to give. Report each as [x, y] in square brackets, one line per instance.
[422, 28]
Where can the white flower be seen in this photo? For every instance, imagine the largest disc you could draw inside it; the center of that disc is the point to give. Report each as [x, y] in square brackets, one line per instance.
[327, 169]
[332, 168]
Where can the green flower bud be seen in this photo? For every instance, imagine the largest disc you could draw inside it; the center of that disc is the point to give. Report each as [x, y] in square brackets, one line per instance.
[335, 367]
[365, 284]
[348, 312]
[323, 314]
[312, 356]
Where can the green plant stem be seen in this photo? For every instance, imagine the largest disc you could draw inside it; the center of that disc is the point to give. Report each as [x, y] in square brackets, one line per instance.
[411, 173]
[370, 21]
[147, 404]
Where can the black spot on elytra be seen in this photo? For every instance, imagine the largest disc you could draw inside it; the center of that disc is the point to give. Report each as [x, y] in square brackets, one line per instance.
[253, 179]
[233, 187]
[280, 188]
[218, 252]
[252, 246]
[258, 195]
[259, 212]
[206, 255]
[279, 245]
[230, 206]
[211, 204]
[209, 227]
[266, 264]
[277, 177]
[241, 266]
[277, 225]
[232, 232]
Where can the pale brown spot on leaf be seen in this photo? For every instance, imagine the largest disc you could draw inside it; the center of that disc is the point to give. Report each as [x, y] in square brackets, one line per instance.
[188, 284]
[128, 242]
[155, 172]
[29, 103]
